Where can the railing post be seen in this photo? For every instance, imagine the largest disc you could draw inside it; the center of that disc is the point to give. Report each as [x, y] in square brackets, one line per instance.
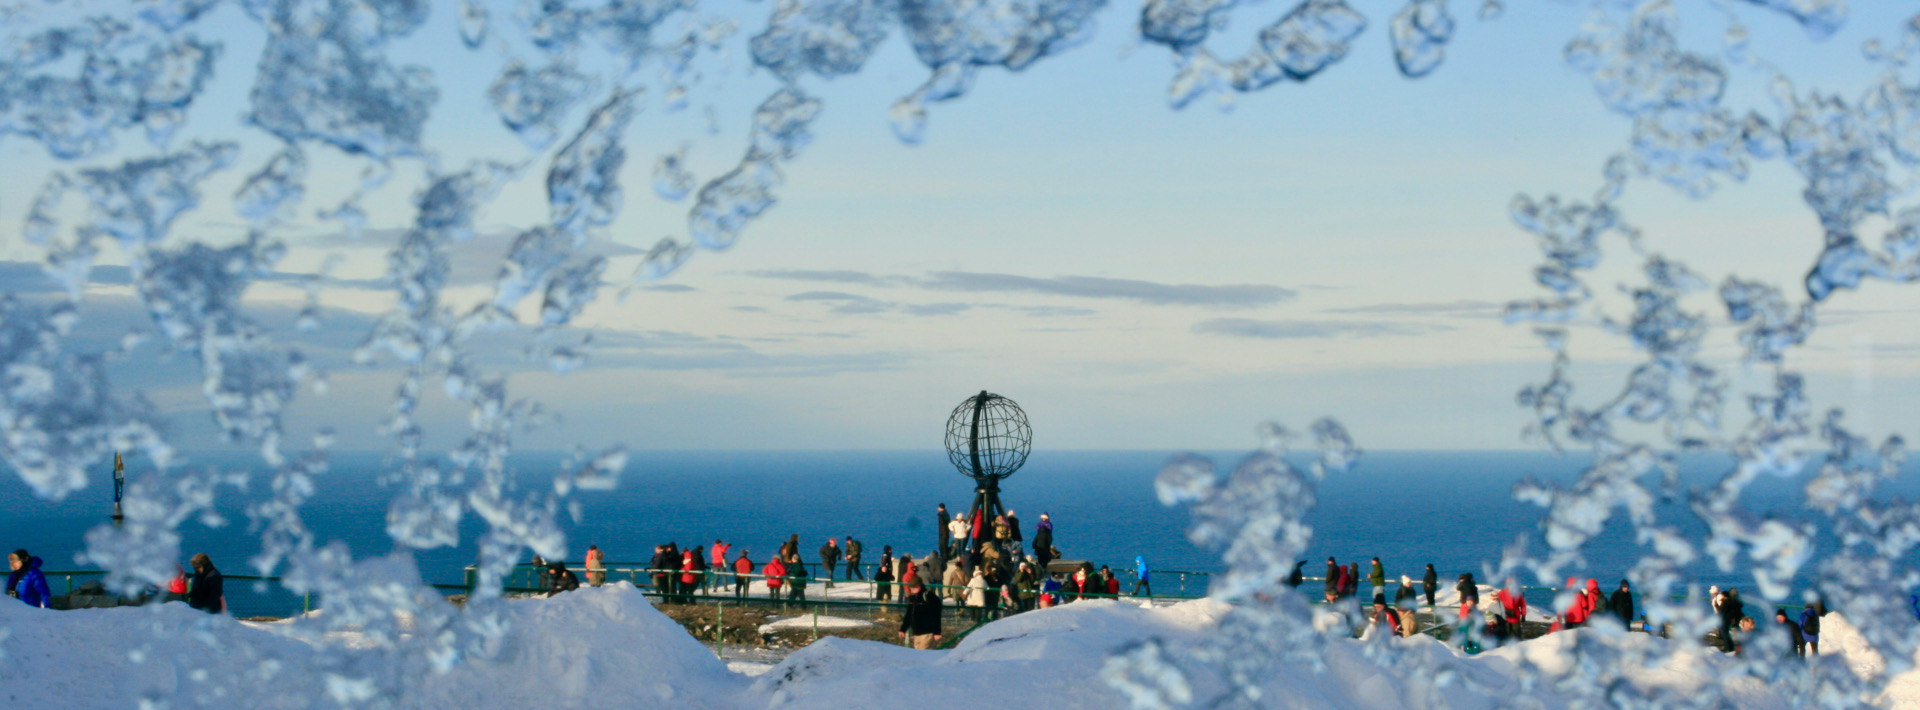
[816, 624]
[720, 630]
[306, 603]
[69, 590]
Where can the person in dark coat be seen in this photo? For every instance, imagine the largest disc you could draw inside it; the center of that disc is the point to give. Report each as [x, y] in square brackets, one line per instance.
[208, 590]
[1469, 595]
[663, 582]
[1296, 577]
[1793, 632]
[25, 581]
[853, 560]
[1430, 582]
[1043, 541]
[1405, 597]
[1731, 612]
[920, 623]
[830, 558]
[940, 520]
[1013, 526]
[1621, 604]
[563, 579]
[1333, 579]
[883, 579]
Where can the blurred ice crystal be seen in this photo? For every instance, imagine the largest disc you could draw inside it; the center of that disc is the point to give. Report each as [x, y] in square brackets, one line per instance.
[77, 77]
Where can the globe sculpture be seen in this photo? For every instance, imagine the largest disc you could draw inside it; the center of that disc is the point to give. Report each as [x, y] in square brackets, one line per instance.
[987, 439]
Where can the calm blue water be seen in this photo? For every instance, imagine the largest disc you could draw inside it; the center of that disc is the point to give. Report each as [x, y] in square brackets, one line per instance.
[1409, 508]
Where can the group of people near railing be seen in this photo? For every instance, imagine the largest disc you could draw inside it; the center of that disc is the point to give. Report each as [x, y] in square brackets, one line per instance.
[204, 590]
[1733, 634]
[978, 565]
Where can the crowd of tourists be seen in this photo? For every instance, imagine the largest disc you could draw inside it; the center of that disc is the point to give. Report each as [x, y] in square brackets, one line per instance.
[1734, 630]
[988, 566]
[205, 589]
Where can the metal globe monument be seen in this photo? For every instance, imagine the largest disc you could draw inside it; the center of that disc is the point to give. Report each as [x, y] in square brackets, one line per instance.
[988, 439]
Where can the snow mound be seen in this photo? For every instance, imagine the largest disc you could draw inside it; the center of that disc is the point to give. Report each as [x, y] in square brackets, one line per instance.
[810, 621]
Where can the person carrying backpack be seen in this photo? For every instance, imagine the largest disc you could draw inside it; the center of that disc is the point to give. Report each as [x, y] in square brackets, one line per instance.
[1810, 627]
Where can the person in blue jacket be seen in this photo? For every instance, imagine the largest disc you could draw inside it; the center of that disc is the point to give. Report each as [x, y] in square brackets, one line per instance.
[25, 581]
[1140, 570]
[1810, 626]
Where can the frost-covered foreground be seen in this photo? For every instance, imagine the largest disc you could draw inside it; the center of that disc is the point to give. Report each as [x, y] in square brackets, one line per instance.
[609, 647]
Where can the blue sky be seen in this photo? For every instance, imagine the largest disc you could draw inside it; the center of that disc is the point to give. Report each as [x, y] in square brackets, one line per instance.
[1134, 276]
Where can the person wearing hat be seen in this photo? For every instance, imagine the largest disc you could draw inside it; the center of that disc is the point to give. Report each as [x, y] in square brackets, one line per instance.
[920, 625]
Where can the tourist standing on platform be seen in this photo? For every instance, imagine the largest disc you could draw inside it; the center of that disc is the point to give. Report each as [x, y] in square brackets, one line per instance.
[908, 572]
[1621, 604]
[662, 578]
[920, 624]
[941, 531]
[1026, 585]
[26, 582]
[1043, 542]
[1731, 611]
[853, 560]
[976, 596]
[882, 579]
[1794, 634]
[830, 558]
[208, 592]
[717, 561]
[1378, 576]
[742, 571]
[957, 530]
[1430, 582]
[1140, 573]
[1013, 525]
[955, 583]
[1810, 627]
[1109, 584]
[1081, 585]
[1404, 597]
[1333, 579]
[776, 574]
[596, 569]
[1352, 587]
[796, 578]
[560, 579]
[689, 576]
[1469, 594]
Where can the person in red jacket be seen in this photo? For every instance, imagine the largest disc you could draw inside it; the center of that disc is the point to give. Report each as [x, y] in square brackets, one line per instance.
[1576, 613]
[1109, 584]
[776, 572]
[741, 569]
[689, 576]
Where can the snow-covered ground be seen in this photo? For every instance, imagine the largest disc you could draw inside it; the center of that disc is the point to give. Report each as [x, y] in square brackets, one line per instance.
[609, 647]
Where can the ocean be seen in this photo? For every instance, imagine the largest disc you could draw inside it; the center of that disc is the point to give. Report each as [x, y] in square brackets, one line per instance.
[1453, 509]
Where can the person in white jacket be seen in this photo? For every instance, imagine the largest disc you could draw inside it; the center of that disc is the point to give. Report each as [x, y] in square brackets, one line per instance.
[977, 595]
[958, 529]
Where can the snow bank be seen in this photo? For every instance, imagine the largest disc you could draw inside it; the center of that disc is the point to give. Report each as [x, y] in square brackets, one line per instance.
[596, 647]
[809, 622]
